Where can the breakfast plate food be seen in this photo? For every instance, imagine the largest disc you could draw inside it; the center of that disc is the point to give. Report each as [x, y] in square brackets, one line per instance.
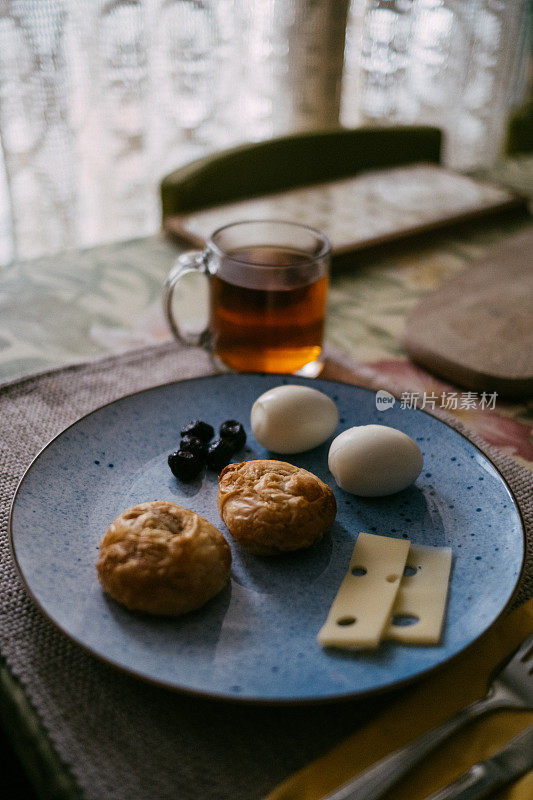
[255, 639]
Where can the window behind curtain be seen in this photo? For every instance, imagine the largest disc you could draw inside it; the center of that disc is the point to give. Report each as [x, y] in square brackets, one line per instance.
[99, 99]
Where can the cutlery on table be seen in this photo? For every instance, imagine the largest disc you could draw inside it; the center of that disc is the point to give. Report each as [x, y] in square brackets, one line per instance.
[511, 688]
[509, 764]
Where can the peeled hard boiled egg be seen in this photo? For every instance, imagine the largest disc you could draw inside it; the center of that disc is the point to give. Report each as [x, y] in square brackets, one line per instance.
[290, 419]
[374, 460]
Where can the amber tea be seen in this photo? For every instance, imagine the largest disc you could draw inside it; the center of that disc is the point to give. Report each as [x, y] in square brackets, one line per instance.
[268, 283]
[277, 327]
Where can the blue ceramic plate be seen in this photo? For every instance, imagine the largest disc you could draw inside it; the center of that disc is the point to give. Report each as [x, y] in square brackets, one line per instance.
[256, 640]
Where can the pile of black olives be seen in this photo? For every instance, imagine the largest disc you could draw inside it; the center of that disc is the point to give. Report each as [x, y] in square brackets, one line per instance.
[196, 448]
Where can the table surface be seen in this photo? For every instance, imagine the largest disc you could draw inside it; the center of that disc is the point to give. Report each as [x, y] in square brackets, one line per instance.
[79, 304]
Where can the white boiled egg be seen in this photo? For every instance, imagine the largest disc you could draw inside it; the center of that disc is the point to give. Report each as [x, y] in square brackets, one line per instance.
[290, 419]
[374, 460]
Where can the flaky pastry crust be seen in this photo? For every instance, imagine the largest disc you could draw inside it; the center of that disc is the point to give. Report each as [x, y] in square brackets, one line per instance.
[273, 507]
[163, 559]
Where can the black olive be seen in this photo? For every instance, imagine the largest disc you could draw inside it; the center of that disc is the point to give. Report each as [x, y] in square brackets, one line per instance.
[233, 432]
[219, 454]
[185, 465]
[201, 430]
[194, 445]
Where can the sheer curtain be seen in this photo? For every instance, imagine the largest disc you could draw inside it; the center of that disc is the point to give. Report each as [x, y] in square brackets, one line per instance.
[99, 99]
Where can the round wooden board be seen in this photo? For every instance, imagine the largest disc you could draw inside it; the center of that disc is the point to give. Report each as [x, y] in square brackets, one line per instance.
[476, 330]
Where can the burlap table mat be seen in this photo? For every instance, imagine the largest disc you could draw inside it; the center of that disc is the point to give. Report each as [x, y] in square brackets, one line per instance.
[119, 737]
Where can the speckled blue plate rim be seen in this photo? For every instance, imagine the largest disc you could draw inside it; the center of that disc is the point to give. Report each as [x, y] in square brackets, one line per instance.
[264, 701]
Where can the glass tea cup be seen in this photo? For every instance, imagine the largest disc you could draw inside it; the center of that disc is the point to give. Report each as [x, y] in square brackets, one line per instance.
[268, 283]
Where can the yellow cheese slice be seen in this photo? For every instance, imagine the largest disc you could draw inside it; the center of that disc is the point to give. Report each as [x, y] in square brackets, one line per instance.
[421, 600]
[362, 608]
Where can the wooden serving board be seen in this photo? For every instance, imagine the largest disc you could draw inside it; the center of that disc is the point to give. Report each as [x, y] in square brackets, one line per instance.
[476, 330]
[363, 211]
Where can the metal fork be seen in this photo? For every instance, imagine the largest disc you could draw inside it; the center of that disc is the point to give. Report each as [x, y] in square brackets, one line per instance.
[511, 687]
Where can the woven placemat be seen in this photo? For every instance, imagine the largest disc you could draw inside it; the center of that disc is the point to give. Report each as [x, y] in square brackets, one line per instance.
[120, 738]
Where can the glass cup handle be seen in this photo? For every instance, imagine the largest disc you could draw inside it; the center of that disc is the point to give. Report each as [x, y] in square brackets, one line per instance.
[193, 261]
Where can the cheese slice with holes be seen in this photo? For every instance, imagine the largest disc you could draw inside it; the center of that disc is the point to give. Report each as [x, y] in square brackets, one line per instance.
[421, 600]
[362, 608]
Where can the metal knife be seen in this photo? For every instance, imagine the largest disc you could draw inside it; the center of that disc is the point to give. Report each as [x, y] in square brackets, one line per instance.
[512, 761]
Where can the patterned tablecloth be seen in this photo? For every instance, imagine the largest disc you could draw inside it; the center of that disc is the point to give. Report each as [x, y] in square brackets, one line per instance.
[79, 304]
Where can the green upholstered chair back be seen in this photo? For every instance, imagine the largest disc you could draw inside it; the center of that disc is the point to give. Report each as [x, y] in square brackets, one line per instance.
[284, 163]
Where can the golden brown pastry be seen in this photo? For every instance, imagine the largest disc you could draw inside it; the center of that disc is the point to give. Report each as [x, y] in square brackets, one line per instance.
[164, 559]
[272, 507]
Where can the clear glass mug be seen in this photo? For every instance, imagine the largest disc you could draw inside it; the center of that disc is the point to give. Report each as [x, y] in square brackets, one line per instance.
[268, 283]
